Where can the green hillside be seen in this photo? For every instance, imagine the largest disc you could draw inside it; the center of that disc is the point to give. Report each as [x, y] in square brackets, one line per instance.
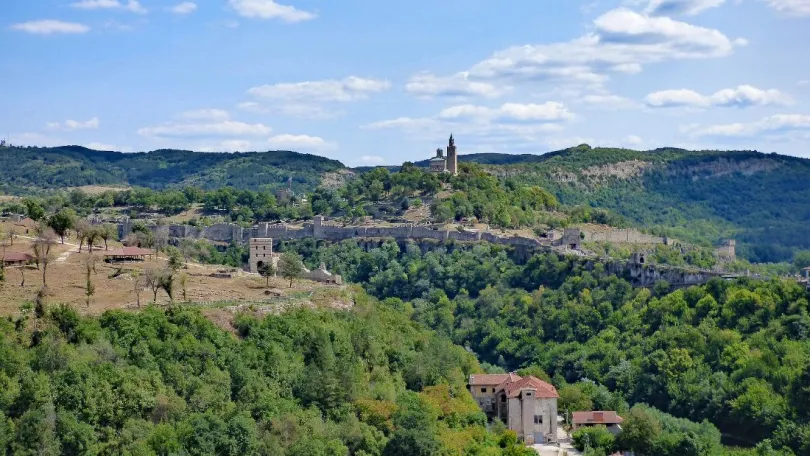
[25, 169]
[762, 200]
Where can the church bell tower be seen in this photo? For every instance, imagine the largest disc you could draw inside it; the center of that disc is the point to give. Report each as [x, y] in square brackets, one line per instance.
[452, 160]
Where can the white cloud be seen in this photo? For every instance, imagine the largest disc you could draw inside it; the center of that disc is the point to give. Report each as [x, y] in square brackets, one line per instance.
[507, 124]
[206, 130]
[133, 6]
[690, 7]
[803, 82]
[70, 125]
[372, 159]
[300, 111]
[296, 142]
[184, 8]
[268, 9]
[49, 26]
[349, 89]
[551, 111]
[632, 140]
[609, 101]
[771, 125]
[622, 41]
[741, 96]
[107, 147]
[205, 114]
[458, 85]
[791, 7]
[229, 145]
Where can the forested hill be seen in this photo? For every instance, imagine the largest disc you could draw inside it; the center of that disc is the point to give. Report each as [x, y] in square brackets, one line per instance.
[761, 200]
[33, 168]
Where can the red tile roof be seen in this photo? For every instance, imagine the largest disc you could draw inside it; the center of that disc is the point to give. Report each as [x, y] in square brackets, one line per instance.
[488, 379]
[16, 257]
[514, 384]
[129, 252]
[597, 417]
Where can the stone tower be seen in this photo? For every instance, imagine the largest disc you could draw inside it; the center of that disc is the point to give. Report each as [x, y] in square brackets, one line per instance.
[452, 160]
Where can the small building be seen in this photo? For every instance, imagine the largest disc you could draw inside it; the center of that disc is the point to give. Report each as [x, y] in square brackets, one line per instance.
[610, 419]
[526, 405]
[806, 272]
[128, 254]
[17, 259]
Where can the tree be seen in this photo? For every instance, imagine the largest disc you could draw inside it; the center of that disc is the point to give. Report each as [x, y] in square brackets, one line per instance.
[43, 249]
[183, 282]
[290, 266]
[82, 227]
[597, 437]
[91, 234]
[62, 222]
[90, 267]
[267, 270]
[175, 258]
[108, 232]
[161, 237]
[639, 431]
[34, 209]
[153, 277]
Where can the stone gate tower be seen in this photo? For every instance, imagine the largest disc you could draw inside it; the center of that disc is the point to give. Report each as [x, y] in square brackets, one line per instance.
[452, 160]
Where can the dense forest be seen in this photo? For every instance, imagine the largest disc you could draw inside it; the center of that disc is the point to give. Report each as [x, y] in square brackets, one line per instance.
[31, 169]
[307, 383]
[734, 354]
[763, 201]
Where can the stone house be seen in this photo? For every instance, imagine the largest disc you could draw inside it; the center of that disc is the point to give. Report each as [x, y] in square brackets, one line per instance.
[526, 405]
[610, 419]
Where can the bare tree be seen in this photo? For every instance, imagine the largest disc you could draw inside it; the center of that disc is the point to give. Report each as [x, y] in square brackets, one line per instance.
[153, 276]
[161, 237]
[10, 235]
[138, 286]
[43, 249]
[82, 227]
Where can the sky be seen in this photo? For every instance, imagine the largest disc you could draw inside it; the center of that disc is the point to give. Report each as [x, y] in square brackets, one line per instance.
[372, 82]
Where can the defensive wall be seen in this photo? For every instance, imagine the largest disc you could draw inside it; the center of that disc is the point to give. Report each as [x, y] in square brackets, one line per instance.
[635, 270]
[319, 228]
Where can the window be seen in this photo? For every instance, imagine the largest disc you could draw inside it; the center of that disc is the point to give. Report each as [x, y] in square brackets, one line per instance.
[483, 390]
[538, 419]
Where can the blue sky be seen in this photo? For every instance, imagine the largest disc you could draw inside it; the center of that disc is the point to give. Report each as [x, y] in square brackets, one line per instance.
[371, 82]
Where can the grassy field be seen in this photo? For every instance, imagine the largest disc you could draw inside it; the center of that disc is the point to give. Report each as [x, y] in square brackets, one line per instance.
[115, 285]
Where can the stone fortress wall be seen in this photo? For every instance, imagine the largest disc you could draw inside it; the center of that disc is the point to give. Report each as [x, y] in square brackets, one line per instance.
[319, 228]
[566, 242]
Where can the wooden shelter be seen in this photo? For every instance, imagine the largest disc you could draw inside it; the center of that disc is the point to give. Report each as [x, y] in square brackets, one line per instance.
[129, 254]
[17, 259]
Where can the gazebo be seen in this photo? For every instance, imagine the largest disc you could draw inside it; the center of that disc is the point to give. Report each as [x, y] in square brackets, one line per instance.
[128, 254]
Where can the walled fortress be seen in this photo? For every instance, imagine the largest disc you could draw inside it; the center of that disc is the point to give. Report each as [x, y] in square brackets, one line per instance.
[566, 242]
[319, 228]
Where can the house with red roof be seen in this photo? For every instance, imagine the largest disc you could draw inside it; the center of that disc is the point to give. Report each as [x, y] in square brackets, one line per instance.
[610, 419]
[11, 259]
[526, 405]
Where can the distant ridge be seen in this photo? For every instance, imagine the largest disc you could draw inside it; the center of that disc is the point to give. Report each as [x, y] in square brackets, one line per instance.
[35, 168]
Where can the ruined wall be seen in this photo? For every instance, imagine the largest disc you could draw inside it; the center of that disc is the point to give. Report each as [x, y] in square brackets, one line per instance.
[524, 247]
[628, 236]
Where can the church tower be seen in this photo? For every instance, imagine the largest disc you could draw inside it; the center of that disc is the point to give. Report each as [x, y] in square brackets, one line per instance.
[452, 160]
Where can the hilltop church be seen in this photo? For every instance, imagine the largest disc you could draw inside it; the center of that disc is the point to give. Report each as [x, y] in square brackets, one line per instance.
[445, 164]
